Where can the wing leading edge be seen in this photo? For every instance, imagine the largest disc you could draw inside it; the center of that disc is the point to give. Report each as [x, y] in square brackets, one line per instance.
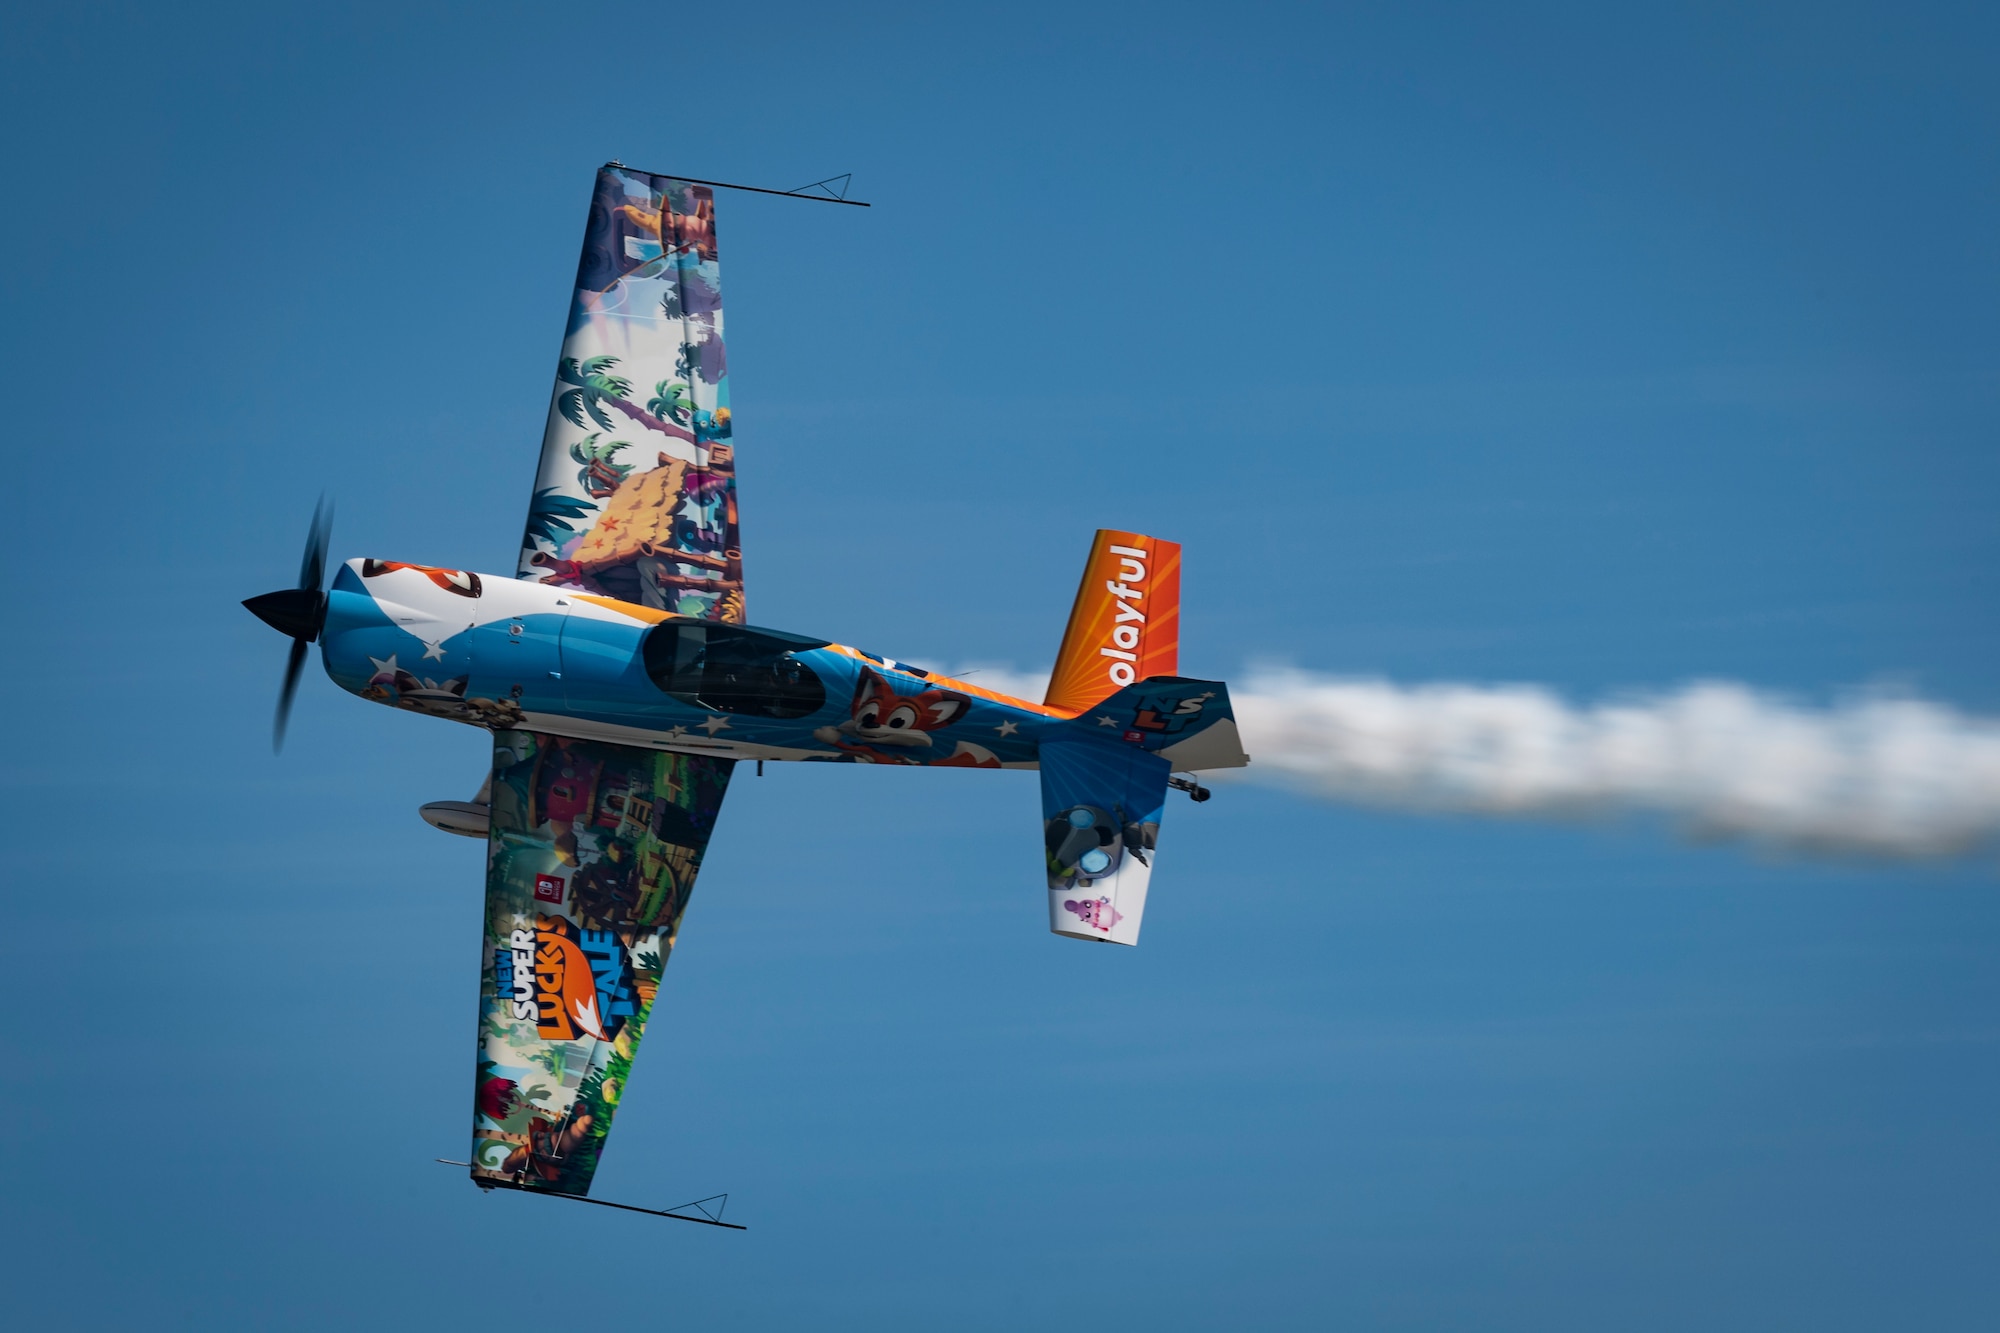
[636, 494]
[592, 851]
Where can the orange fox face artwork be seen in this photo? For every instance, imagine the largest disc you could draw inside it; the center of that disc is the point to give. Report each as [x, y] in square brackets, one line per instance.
[884, 727]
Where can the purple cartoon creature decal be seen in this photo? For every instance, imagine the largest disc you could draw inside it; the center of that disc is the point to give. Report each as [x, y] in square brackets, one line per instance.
[1097, 913]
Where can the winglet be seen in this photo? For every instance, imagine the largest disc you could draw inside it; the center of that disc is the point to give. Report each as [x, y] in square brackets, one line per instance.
[710, 1217]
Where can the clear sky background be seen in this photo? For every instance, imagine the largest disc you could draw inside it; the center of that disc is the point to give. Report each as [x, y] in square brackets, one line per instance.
[1580, 345]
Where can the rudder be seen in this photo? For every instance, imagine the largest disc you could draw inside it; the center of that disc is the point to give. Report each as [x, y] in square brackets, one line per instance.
[1126, 622]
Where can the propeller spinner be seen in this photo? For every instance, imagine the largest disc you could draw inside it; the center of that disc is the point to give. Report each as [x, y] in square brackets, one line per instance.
[298, 613]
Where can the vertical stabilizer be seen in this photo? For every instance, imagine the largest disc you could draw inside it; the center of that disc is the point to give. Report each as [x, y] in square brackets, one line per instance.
[1126, 624]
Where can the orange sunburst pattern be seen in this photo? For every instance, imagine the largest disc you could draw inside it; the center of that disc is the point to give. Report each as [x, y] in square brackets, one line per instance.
[1126, 624]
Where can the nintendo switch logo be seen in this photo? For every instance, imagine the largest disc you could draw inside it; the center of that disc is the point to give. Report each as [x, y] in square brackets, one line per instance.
[548, 888]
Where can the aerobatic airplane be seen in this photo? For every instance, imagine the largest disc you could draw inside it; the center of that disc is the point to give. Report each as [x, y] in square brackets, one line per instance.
[622, 686]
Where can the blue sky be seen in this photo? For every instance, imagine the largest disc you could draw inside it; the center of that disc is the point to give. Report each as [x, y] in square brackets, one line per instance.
[1592, 348]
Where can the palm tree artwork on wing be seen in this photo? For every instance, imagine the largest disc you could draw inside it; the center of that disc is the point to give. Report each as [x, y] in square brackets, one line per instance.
[550, 515]
[594, 388]
[671, 402]
[601, 473]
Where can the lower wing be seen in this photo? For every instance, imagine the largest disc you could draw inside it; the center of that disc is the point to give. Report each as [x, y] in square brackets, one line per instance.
[590, 856]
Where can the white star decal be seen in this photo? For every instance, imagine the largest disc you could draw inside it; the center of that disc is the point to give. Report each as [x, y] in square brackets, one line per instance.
[715, 724]
[1007, 728]
[381, 666]
[1106, 720]
[433, 648]
[676, 733]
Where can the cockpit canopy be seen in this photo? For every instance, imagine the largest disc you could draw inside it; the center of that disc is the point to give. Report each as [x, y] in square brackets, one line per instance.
[734, 669]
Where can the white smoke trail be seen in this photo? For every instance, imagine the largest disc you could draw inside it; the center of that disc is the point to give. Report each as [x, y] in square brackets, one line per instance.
[1877, 774]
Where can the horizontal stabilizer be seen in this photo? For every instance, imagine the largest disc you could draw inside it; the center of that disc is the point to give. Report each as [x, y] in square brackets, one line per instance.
[1101, 804]
[1188, 723]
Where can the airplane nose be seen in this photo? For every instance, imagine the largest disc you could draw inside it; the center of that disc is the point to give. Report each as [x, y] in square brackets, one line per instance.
[297, 613]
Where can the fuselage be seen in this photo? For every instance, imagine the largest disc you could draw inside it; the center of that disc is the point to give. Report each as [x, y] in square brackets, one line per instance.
[502, 652]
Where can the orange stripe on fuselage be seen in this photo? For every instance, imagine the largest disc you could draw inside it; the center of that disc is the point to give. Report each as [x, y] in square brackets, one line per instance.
[652, 616]
[934, 680]
[632, 609]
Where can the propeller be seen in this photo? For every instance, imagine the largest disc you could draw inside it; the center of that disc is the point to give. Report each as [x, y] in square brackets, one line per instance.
[298, 613]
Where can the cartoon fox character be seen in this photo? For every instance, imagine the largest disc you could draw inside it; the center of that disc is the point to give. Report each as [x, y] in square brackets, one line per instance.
[884, 727]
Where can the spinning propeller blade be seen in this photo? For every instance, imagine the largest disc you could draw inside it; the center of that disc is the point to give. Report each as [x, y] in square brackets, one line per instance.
[294, 664]
[312, 565]
[299, 613]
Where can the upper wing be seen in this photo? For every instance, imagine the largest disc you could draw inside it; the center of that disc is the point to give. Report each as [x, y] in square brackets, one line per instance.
[590, 856]
[636, 495]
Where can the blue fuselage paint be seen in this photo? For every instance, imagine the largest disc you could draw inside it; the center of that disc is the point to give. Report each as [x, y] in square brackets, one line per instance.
[515, 654]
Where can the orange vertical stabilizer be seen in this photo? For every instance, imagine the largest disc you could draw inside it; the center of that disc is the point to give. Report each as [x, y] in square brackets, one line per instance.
[1126, 624]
